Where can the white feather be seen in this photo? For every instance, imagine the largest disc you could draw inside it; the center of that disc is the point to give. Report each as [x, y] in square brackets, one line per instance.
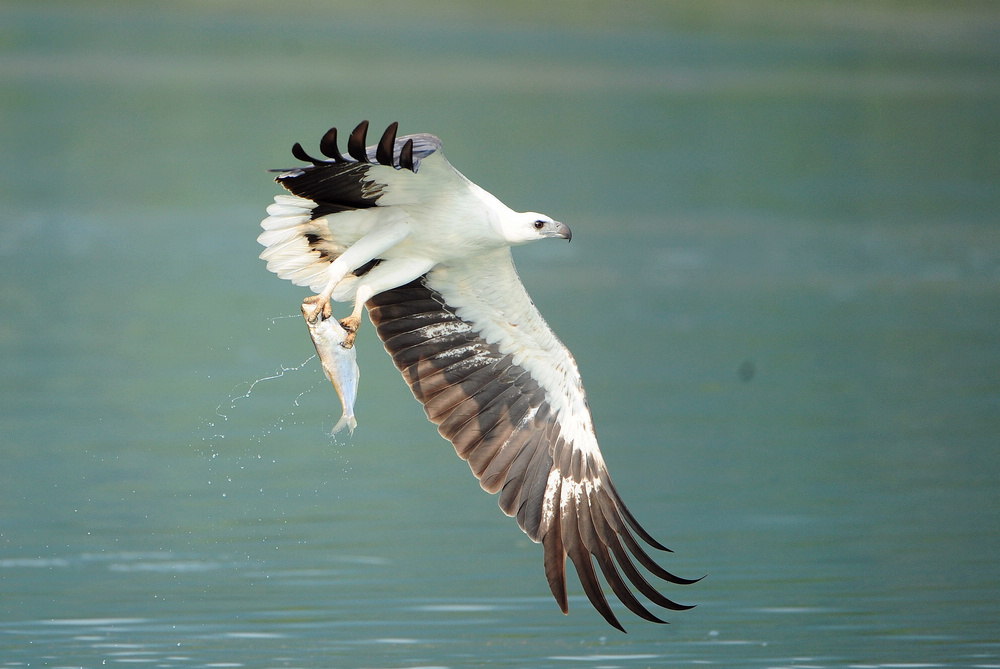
[278, 236]
[487, 292]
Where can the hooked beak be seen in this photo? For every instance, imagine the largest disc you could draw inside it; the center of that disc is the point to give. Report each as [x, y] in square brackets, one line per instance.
[560, 230]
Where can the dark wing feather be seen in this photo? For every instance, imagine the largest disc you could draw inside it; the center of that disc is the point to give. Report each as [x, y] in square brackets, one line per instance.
[386, 145]
[499, 420]
[343, 183]
[356, 143]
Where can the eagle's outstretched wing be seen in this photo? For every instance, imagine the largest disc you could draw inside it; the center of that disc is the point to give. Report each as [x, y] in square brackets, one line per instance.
[505, 391]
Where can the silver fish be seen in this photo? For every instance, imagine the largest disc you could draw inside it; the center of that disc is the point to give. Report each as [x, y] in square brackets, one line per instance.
[339, 364]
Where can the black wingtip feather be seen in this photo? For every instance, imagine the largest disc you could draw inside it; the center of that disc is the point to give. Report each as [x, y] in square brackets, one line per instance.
[406, 156]
[385, 151]
[555, 564]
[328, 146]
[580, 556]
[356, 143]
[630, 519]
[387, 145]
[300, 154]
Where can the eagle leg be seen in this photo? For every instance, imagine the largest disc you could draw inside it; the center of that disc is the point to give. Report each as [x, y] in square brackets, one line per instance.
[361, 252]
[350, 325]
[387, 275]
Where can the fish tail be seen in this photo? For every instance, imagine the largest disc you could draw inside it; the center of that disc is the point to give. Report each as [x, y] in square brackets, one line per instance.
[348, 421]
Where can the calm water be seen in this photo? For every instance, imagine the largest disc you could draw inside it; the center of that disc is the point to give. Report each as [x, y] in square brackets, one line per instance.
[783, 292]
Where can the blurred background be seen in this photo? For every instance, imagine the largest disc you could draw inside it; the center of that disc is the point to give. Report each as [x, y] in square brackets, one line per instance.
[783, 293]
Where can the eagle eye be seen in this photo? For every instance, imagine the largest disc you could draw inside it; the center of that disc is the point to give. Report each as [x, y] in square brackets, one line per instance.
[539, 225]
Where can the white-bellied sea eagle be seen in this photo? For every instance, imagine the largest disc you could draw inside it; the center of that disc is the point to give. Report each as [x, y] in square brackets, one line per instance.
[396, 228]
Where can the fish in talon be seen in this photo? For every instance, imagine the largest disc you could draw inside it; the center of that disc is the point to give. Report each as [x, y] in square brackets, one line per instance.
[340, 363]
